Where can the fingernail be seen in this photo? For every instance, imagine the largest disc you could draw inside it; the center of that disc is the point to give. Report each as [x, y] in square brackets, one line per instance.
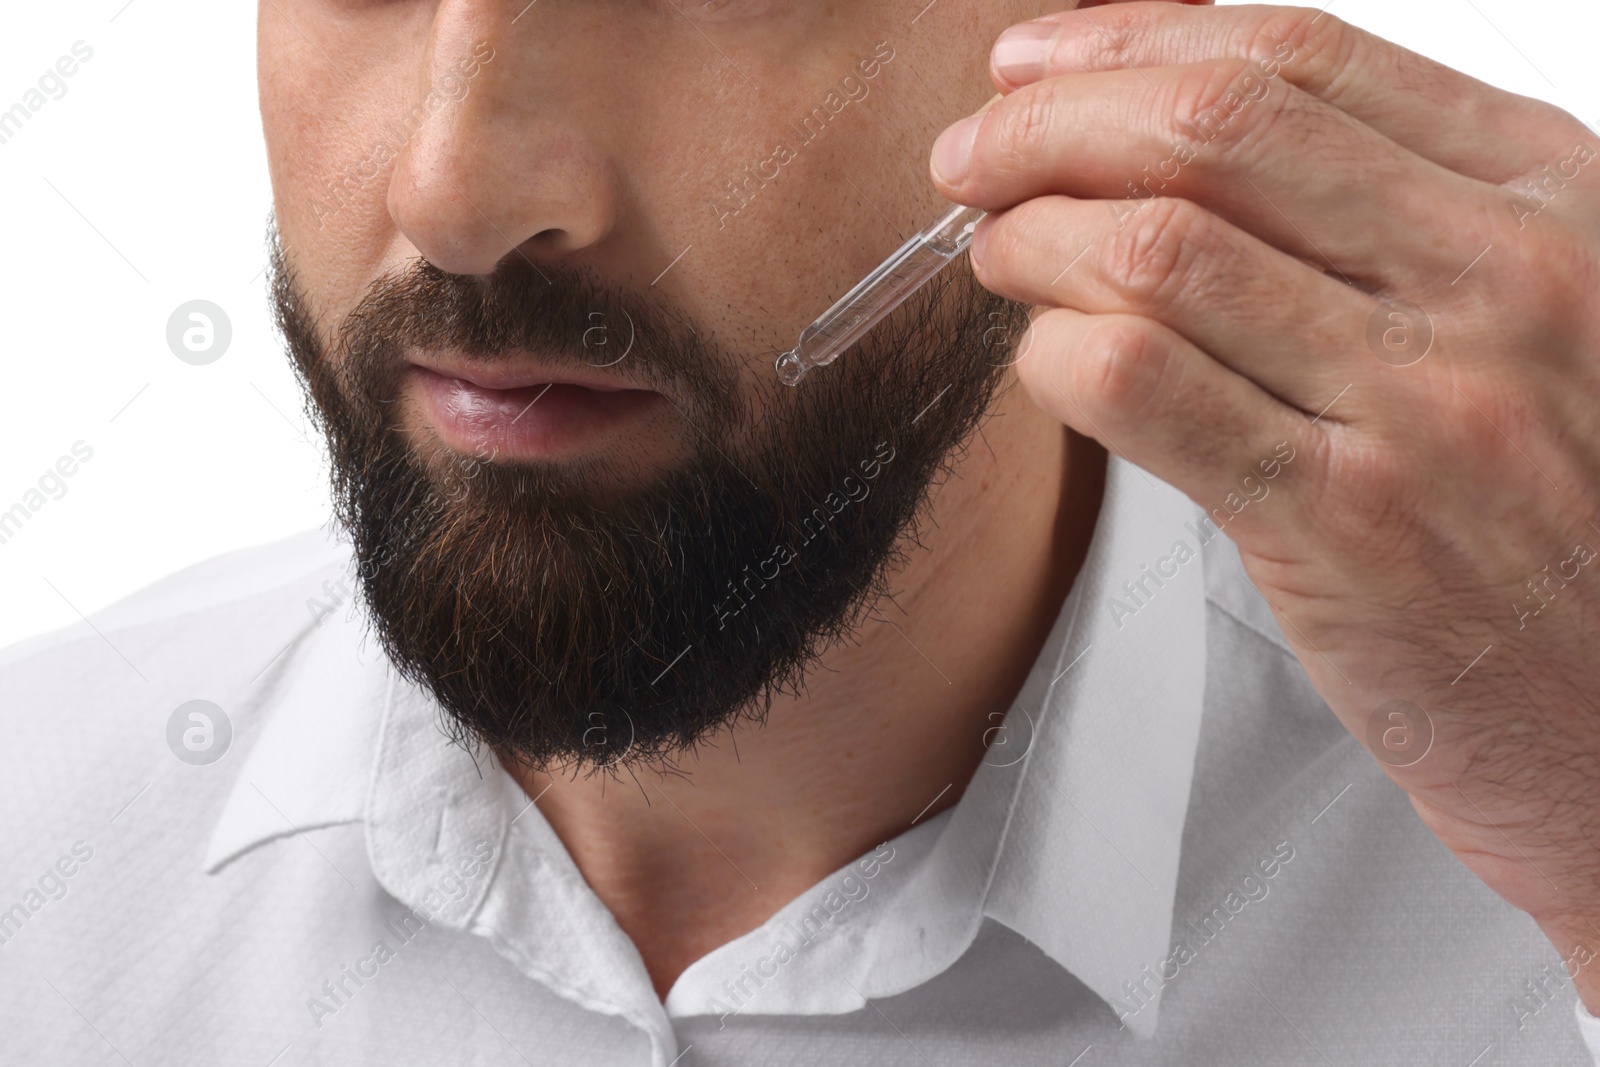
[1022, 53]
[980, 240]
[952, 152]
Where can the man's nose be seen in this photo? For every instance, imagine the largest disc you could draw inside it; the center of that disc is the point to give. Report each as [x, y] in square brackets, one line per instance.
[504, 163]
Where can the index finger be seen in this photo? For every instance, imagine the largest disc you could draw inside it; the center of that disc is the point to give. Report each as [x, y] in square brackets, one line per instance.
[1440, 114]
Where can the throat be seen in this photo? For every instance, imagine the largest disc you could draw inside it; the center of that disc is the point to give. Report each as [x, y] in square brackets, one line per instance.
[887, 732]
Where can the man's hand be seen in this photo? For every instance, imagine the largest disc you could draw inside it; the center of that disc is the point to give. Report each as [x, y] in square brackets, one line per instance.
[1253, 225]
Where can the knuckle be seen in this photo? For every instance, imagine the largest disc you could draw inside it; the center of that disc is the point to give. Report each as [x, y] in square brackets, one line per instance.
[1487, 411]
[1321, 46]
[1020, 125]
[1227, 104]
[1117, 28]
[1543, 270]
[1566, 129]
[1120, 367]
[1007, 241]
[1020, 239]
[1550, 283]
[1152, 253]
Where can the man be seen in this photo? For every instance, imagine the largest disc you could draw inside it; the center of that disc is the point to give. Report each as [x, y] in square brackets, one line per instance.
[970, 700]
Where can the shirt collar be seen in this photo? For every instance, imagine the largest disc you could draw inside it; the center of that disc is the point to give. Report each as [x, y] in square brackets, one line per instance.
[1070, 830]
[307, 769]
[1081, 802]
[1087, 861]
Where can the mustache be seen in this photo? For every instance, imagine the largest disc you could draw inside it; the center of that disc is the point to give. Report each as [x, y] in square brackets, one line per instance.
[562, 315]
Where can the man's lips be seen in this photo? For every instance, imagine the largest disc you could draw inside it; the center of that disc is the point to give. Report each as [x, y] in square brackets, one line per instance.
[514, 410]
[510, 373]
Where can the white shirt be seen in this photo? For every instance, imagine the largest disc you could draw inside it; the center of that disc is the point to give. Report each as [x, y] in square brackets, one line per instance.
[1172, 854]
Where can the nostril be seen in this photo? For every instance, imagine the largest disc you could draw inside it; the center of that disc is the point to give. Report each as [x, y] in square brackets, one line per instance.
[554, 239]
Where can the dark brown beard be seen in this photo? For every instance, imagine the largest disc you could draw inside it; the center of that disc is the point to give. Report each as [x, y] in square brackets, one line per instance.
[565, 625]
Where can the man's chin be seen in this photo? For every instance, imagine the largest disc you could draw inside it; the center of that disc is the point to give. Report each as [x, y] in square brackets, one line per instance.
[563, 629]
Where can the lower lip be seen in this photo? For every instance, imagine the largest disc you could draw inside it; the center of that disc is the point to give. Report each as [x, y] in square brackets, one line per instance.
[549, 421]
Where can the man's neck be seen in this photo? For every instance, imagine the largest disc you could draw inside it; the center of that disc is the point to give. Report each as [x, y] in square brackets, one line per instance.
[886, 727]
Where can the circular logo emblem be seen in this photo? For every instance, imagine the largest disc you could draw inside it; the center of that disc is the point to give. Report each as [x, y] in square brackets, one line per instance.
[1399, 333]
[600, 740]
[604, 346]
[198, 332]
[1008, 737]
[1001, 347]
[198, 732]
[1399, 733]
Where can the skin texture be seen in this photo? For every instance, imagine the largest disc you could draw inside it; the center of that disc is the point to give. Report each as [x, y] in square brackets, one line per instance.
[1432, 557]
[602, 137]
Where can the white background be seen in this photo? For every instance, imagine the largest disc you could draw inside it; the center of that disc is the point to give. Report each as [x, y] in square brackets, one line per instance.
[145, 186]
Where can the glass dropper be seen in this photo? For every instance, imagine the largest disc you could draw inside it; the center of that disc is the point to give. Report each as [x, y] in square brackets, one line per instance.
[911, 267]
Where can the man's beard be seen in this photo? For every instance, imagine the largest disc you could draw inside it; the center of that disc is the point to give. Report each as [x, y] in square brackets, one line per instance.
[565, 622]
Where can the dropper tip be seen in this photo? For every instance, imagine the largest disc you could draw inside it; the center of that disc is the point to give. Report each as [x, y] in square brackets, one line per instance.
[790, 368]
